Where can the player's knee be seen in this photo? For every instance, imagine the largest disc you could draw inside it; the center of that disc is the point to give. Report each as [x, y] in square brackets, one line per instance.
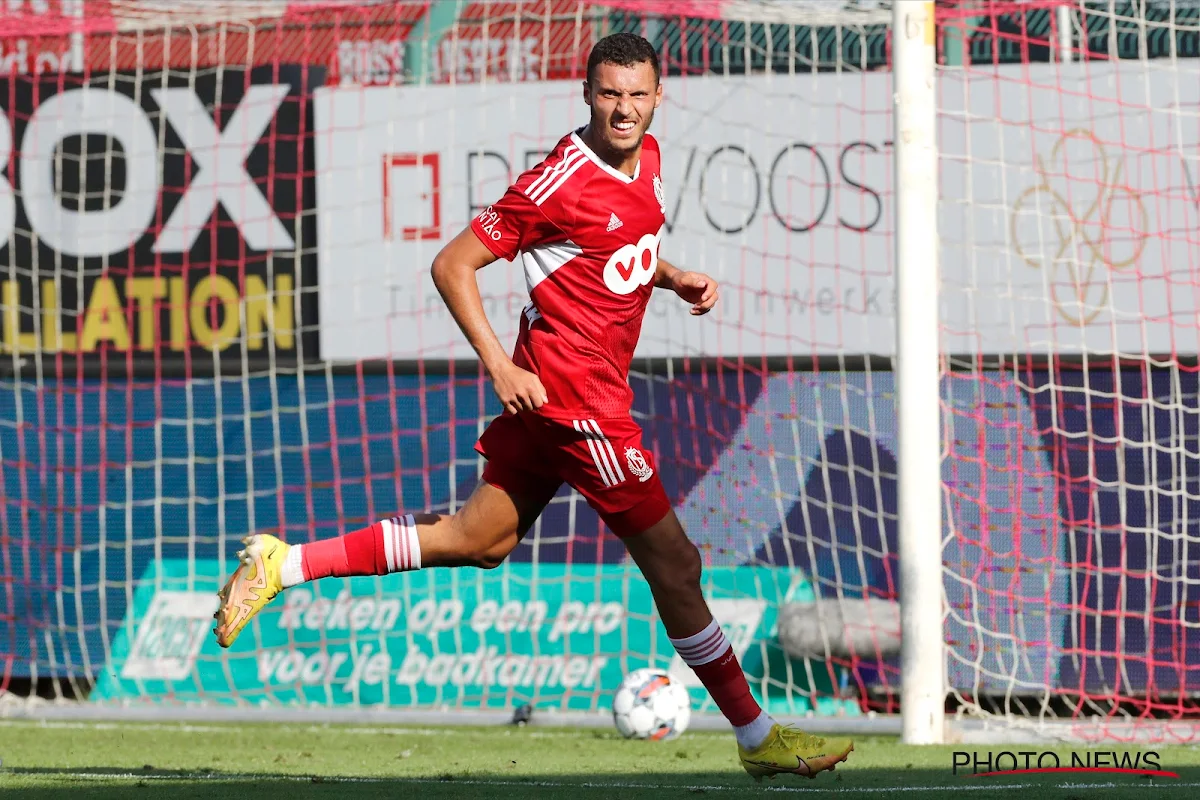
[492, 557]
[467, 543]
[690, 565]
[679, 569]
[483, 557]
[487, 549]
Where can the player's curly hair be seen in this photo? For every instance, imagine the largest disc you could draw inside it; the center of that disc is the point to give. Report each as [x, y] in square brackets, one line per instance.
[624, 50]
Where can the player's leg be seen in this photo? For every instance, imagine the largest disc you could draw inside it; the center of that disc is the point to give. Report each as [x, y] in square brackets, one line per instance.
[605, 462]
[480, 534]
[672, 567]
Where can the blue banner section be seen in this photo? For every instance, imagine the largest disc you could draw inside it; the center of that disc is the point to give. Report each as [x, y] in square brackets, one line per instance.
[1073, 499]
[553, 634]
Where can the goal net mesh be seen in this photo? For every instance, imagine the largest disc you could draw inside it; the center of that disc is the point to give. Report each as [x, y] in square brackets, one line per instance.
[1069, 166]
[217, 319]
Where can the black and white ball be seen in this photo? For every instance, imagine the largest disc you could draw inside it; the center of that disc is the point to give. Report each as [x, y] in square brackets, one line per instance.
[651, 704]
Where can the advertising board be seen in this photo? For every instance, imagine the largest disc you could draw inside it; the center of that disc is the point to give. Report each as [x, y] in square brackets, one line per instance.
[156, 217]
[1067, 202]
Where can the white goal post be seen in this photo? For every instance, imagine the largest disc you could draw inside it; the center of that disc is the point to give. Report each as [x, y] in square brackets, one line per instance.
[918, 375]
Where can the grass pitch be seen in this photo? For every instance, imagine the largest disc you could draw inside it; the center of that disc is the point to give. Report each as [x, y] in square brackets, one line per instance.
[168, 760]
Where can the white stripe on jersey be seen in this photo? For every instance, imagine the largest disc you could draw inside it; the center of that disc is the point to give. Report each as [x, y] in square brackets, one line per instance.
[540, 261]
[543, 196]
[547, 172]
[570, 154]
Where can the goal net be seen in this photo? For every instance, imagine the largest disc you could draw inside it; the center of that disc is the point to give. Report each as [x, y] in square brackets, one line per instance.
[1068, 147]
[217, 319]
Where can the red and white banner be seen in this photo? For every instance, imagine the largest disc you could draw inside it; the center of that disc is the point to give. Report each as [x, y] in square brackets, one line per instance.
[360, 43]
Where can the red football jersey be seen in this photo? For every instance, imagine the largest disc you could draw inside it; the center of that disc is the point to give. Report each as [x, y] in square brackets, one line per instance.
[587, 236]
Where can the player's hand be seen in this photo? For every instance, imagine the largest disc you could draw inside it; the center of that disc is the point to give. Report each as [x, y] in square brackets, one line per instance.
[518, 389]
[698, 289]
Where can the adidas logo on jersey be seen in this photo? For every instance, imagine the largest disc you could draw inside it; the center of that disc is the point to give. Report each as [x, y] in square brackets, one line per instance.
[613, 223]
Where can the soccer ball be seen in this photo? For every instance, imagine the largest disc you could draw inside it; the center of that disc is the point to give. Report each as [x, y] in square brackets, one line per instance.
[650, 704]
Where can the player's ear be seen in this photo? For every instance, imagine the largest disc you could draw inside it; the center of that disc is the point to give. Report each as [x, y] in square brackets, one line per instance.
[587, 92]
[658, 95]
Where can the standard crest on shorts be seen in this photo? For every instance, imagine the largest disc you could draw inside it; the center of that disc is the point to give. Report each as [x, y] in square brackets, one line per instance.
[637, 464]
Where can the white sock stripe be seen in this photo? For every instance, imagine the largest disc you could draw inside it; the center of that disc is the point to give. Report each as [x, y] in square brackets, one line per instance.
[702, 646]
[696, 638]
[706, 654]
[611, 452]
[401, 543]
[405, 541]
[692, 655]
[401, 548]
[414, 544]
[389, 549]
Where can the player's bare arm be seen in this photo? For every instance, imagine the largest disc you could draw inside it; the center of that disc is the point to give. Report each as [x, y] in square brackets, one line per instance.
[693, 287]
[454, 276]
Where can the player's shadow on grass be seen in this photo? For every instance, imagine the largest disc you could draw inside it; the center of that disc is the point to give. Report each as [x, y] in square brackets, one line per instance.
[98, 782]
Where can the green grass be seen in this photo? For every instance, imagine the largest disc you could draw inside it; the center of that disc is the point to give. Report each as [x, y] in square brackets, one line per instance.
[291, 762]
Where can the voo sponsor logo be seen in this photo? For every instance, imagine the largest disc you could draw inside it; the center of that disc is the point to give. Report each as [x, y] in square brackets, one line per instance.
[633, 265]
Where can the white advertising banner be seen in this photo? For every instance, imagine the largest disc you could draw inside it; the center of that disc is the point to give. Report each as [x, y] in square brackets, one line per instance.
[1070, 211]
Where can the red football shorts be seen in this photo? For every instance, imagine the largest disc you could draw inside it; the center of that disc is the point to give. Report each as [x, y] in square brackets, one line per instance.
[603, 460]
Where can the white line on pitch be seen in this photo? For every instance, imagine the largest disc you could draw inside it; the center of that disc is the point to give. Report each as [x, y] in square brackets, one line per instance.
[516, 783]
[184, 727]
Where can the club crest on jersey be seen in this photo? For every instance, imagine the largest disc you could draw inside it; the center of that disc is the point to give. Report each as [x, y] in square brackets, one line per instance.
[632, 266]
[637, 464]
[659, 195]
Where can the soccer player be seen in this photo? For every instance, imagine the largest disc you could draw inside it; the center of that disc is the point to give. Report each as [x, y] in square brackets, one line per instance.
[585, 226]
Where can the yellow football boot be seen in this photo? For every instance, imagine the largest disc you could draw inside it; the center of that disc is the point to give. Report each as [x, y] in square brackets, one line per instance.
[253, 584]
[790, 750]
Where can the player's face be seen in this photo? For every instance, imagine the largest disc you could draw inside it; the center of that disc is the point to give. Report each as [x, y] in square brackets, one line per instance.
[623, 100]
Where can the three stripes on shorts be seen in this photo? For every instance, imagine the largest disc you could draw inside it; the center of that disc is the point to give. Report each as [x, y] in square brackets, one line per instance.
[602, 451]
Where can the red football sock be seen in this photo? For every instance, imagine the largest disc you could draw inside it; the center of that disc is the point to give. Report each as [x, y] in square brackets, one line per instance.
[387, 546]
[711, 657]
